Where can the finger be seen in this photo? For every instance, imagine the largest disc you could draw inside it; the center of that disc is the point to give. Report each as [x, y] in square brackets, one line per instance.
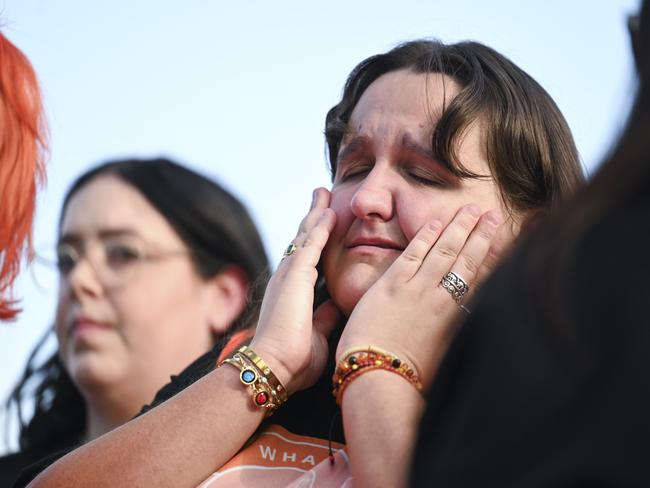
[489, 264]
[452, 240]
[408, 263]
[476, 248]
[307, 254]
[320, 201]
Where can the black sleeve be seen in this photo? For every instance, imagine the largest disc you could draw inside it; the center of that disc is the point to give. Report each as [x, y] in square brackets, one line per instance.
[195, 371]
[519, 403]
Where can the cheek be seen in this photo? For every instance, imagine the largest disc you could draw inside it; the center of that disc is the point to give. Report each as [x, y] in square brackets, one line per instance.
[340, 203]
[415, 214]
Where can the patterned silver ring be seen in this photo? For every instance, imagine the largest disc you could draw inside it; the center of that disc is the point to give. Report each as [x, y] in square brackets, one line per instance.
[455, 285]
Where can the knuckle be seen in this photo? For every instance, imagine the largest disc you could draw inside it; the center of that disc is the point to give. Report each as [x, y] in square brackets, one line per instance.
[445, 252]
[486, 233]
[470, 263]
[410, 257]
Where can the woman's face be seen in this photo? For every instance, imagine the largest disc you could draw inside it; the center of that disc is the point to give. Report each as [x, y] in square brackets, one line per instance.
[388, 184]
[132, 310]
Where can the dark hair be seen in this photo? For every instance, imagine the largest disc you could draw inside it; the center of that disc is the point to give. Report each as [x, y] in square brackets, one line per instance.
[528, 144]
[218, 231]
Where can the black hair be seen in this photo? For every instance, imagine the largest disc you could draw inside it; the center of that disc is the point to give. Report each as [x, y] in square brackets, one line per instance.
[218, 231]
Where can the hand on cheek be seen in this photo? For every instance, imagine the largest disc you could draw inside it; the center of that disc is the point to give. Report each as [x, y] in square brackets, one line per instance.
[406, 311]
[290, 337]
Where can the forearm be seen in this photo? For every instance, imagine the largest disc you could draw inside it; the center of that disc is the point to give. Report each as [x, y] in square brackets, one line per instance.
[179, 443]
[381, 412]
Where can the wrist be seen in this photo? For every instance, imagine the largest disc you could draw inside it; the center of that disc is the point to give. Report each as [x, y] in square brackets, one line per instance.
[273, 358]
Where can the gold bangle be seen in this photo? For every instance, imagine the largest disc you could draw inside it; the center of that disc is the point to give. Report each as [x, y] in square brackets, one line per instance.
[277, 388]
[267, 391]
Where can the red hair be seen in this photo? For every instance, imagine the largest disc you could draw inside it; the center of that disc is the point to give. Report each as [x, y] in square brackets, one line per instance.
[22, 171]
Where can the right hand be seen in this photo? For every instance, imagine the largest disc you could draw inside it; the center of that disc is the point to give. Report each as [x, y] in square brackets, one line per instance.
[290, 336]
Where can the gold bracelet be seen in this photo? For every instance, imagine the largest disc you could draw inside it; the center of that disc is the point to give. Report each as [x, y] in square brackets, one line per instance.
[268, 392]
[277, 388]
[360, 360]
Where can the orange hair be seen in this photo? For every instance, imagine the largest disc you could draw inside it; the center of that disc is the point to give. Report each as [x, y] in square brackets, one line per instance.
[22, 153]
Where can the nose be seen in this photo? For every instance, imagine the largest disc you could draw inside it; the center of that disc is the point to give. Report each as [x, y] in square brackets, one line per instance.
[82, 280]
[374, 197]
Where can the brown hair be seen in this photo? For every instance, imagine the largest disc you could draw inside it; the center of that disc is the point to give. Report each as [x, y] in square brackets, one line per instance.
[22, 144]
[528, 144]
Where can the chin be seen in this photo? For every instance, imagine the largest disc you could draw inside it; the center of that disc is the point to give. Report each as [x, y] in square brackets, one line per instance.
[348, 288]
[89, 371]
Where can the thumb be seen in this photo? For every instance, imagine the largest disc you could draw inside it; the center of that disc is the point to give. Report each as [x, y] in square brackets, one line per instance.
[326, 316]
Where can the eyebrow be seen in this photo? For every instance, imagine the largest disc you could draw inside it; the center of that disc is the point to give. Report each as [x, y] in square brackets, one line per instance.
[356, 144]
[424, 152]
[359, 142]
[71, 237]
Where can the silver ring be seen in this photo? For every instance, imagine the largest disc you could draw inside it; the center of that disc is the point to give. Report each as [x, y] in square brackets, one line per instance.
[455, 285]
[465, 309]
[291, 248]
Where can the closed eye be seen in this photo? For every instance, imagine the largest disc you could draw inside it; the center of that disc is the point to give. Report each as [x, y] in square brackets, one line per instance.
[352, 170]
[427, 179]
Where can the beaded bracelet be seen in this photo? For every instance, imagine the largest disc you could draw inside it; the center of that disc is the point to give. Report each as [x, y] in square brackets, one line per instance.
[268, 391]
[357, 361]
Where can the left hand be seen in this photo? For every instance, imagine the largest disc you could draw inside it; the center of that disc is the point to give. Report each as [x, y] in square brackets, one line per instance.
[406, 311]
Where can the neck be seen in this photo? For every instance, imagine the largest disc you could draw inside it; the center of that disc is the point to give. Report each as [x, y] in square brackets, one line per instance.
[106, 412]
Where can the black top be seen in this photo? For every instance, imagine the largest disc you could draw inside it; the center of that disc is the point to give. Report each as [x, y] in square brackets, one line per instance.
[521, 402]
[12, 464]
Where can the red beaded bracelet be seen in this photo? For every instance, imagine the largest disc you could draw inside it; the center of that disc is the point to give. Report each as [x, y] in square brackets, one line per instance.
[357, 361]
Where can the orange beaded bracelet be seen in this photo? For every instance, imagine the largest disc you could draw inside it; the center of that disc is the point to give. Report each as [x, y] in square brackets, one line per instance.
[357, 361]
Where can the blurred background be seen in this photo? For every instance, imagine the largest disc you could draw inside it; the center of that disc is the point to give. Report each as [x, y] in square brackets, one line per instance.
[239, 92]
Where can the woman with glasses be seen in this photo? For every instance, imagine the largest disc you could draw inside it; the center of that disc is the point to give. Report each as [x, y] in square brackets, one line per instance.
[156, 264]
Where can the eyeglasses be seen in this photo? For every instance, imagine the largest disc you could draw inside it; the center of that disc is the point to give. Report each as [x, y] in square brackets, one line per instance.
[115, 261]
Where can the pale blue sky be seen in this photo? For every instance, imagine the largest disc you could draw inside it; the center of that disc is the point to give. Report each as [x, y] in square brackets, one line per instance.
[239, 90]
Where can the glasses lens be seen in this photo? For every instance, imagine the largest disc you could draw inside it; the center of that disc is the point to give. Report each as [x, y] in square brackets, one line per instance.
[121, 258]
[44, 270]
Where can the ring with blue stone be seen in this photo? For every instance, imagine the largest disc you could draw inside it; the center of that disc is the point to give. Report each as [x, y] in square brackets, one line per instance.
[248, 376]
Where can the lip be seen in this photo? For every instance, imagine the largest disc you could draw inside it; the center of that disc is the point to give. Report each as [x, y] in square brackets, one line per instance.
[374, 244]
[82, 323]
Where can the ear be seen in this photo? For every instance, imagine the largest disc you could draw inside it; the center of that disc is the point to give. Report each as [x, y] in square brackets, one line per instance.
[225, 298]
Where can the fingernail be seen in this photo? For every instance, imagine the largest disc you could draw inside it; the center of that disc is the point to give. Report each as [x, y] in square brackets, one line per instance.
[435, 225]
[474, 210]
[313, 197]
[494, 217]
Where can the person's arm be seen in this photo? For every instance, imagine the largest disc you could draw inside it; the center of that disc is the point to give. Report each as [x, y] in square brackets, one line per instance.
[185, 439]
[407, 313]
[381, 412]
[179, 443]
